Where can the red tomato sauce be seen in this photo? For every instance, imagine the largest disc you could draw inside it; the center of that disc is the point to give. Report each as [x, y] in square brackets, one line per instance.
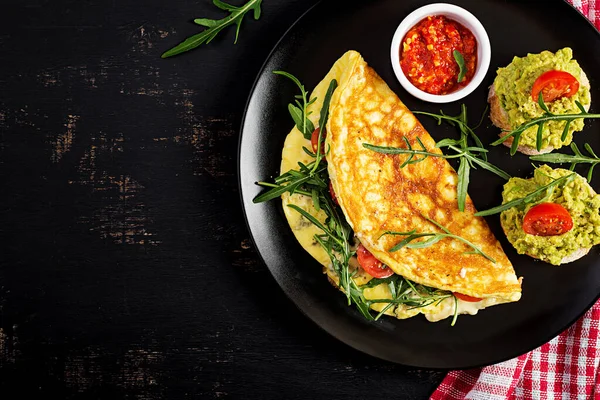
[427, 59]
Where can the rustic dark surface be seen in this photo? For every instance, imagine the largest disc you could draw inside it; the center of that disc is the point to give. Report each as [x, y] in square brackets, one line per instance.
[126, 269]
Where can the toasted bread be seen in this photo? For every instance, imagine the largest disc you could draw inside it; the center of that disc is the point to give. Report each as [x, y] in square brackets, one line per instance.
[500, 118]
[574, 255]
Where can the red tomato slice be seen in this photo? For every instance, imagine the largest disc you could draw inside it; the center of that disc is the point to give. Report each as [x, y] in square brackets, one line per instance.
[333, 196]
[464, 297]
[547, 219]
[554, 85]
[314, 141]
[371, 265]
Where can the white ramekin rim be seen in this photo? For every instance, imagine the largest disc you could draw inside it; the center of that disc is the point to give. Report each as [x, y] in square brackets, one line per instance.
[462, 16]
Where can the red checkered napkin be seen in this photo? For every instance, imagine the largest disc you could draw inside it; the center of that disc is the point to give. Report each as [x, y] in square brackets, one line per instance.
[565, 368]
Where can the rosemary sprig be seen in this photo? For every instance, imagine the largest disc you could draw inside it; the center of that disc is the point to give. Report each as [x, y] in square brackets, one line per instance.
[530, 198]
[215, 26]
[434, 237]
[460, 60]
[577, 158]
[299, 111]
[547, 116]
[470, 156]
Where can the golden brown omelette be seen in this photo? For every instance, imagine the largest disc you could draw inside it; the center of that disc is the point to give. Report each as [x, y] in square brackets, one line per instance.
[376, 195]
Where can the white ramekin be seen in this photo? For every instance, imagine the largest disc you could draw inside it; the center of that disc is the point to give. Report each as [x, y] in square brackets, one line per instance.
[461, 16]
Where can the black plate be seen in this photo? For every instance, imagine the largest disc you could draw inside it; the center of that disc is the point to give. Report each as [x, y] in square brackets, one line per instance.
[553, 297]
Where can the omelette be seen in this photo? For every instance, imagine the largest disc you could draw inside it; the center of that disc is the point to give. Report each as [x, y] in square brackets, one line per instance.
[378, 194]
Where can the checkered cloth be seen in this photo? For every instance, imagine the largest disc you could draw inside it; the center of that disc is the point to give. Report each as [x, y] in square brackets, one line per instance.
[564, 368]
[567, 367]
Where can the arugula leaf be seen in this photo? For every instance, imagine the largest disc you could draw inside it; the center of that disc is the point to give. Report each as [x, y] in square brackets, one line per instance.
[300, 111]
[215, 26]
[540, 121]
[460, 60]
[577, 158]
[323, 117]
[530, 198]
[468, 155]
[463, 183]
[434, 238]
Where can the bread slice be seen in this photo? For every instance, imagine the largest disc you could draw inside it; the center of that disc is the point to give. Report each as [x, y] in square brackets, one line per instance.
[575, 255]
[499, 117]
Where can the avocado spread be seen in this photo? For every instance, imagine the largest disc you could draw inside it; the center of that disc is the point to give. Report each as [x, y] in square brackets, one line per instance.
[576, 196]
[513, 87]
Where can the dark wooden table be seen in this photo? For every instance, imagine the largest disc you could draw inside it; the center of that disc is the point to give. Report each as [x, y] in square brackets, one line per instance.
[126, 269]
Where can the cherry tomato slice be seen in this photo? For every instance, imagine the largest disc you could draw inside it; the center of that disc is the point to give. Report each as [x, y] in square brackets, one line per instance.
[547, 219]
[314, 141]
[554, 85]
[371, 265]
[464, 297]
[333, 196]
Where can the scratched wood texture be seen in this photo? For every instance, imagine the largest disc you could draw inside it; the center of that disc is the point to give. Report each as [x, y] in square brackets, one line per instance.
[126, 269]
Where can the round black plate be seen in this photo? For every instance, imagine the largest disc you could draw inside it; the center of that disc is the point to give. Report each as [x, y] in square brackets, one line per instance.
[553, 297]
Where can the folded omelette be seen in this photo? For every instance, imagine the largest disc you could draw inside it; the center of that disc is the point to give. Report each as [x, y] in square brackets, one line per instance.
[377, 195]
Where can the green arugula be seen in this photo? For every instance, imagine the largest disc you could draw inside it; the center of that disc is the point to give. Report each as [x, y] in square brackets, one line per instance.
[434, 237]
[299, 111]
[215, 26]
[460, 60]
[530, 198]
[540, 122]
[577, 158]
[470, 156]
[408, 293]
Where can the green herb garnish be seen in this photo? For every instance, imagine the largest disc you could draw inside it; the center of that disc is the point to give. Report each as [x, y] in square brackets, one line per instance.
[312, 180]
[470, 156]
[460, 60]
[577, 158]
[434, 237]
[540, 122]
[323, 118]
[299, 111]
[406, 292]
[530, 198]
[215, 26]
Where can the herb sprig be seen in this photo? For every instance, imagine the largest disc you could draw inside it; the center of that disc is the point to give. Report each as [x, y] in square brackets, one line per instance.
[299, 111]
[216, 25]
[540, 123]
[577, 158]
[434, 237]
[470, 156]
[312, 180]
[460, 60]
[530, 198]
[408, 293]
